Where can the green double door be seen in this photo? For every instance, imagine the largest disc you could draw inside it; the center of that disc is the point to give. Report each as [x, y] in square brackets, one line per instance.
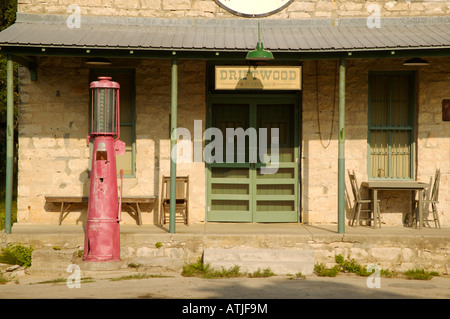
[239, 190]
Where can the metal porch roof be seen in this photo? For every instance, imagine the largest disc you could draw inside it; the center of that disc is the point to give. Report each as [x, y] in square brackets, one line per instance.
[233, 35]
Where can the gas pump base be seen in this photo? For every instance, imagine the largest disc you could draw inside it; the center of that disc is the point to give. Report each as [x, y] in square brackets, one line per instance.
[102, 241]
[101, 266]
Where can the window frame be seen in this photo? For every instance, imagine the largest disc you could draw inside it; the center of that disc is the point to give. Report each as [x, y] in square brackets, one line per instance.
[389, 128]
[93, 74]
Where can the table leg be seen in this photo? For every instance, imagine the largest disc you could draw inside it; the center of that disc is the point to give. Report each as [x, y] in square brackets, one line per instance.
[375, 208]
[139, 213]
[410, 216]
[420, 208]
[63, 210]
[61, 214]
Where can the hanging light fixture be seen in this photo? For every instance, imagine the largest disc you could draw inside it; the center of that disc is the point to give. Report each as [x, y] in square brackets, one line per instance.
[259, 54]
[416, 62]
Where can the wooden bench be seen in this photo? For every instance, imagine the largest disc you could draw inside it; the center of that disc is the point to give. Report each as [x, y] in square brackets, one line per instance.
[67, 201]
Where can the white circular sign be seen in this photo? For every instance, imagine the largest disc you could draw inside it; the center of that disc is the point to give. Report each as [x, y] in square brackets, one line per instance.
[253, 8]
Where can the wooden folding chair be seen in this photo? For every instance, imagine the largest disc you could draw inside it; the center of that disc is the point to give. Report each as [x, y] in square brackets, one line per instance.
[182, 200]
[372, 209]
[430, 199]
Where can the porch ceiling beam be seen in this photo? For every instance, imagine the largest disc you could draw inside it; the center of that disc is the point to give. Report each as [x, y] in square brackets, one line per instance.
[211, 54]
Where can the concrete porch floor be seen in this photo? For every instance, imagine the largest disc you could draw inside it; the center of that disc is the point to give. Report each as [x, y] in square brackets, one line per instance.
[239, 229]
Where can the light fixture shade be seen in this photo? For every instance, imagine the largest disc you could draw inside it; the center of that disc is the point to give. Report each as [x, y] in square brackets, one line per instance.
[259, 54]
[98, 61]
[416, 62]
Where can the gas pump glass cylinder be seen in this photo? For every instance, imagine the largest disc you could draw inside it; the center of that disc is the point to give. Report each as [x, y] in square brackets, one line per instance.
[105, 97]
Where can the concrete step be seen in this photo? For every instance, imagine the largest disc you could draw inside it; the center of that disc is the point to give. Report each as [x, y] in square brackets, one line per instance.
[280, 261]
[165, 258]
[45, 260]
[51, 260]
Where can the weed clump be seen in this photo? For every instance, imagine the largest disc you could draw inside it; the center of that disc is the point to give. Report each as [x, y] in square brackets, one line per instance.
[199, 269]
[16, 254]
[266, 272]
[351, 266]
[322, 271]
[420, 274]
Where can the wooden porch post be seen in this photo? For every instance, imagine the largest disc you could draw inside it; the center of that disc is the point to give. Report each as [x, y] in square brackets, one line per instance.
[9, 142]
[341, 157]
[173, 144]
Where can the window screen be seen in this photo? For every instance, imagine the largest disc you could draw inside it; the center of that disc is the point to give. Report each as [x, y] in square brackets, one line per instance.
[391, 125]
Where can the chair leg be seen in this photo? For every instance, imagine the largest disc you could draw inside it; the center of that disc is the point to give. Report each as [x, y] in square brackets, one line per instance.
[373, 215]
[354, 214]
[377, 205]
[357, 214]
[414, 216]
[437, 223]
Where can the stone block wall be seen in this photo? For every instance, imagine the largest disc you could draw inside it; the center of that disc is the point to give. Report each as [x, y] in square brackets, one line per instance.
[54, 124]
[320, 149]
[299, 9]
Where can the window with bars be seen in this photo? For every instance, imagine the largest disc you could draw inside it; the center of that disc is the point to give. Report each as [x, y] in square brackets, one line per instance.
[391, 125]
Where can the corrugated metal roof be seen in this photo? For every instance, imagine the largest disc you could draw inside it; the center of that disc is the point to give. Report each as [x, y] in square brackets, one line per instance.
[225, 35]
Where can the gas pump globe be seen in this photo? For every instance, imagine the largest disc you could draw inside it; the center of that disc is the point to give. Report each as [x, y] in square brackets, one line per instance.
[102, 239]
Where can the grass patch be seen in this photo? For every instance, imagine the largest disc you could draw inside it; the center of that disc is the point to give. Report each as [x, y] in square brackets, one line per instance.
[199, 269]
[322, 271]
[63, 280]
[298, 275]
[267, 272]
[232, 272]
[16, 254]
[3, 279]
[207, 272]
[351, 266]
[52, 281]
[345, 266]
[138, 276]
[388, 273]
[420, 274]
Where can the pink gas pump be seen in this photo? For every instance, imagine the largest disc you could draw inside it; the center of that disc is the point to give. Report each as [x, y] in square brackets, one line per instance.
[102, 239]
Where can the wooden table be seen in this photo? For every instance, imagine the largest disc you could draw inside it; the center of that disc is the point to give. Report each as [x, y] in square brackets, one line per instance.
[413, 186]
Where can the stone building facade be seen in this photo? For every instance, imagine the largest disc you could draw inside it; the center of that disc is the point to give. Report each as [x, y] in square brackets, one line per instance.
[54, 114]
[209, 9]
